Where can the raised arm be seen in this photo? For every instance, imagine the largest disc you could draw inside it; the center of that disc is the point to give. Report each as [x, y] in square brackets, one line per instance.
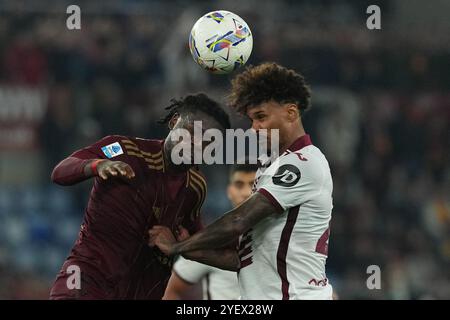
[89, 162]
[226, 259]
[73, 170]
[223, 232]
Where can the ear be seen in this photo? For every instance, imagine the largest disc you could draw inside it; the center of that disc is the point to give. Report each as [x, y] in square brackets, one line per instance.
[292, 112]
[173, 120]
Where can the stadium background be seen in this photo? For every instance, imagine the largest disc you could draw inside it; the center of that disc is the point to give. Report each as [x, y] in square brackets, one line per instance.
[381, 114]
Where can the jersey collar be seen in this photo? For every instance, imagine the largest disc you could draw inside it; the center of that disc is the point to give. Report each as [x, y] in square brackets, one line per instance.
[264, 161]
[300, 143]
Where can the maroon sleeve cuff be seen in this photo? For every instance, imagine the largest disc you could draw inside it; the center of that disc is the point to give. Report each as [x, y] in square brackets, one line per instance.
[272, 199]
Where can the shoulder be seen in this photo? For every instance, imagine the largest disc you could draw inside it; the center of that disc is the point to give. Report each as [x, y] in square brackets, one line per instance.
[309, 156]
[154, 145]
[149, 145]
[306, 163]
[110, 146]
[111, 139]
[120, 140]
[148, 150]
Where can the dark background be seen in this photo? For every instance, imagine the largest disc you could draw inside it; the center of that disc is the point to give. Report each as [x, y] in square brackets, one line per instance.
[381, 115]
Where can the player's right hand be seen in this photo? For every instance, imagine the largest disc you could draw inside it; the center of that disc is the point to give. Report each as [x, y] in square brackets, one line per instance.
[108, 168]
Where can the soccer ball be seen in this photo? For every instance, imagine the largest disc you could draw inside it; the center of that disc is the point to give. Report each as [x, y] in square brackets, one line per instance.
[220, 42]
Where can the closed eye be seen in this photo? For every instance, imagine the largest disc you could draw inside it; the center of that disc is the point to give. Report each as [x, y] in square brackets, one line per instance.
[260, 116]
[239, 184]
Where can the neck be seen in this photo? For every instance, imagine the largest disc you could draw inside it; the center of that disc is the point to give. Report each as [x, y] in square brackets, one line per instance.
[291, 139]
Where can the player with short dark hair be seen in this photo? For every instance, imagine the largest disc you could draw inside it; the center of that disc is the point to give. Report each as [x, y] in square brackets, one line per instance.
[283, 228]
[136, 186]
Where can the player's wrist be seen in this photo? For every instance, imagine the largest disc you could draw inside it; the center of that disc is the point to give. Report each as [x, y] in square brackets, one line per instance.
[94, 166]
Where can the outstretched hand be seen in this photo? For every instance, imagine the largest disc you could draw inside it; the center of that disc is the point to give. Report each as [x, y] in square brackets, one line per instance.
[108, 168]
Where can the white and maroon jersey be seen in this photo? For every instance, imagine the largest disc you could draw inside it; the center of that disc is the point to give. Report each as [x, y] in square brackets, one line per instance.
[284, 255]
[217, 284]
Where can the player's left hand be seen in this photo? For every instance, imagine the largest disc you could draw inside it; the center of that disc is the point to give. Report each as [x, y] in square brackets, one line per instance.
[161, 237]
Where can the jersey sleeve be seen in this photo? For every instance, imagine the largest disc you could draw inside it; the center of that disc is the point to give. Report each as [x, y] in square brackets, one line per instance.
[291, 180]
[71, 170]
[108, 147]
[190, 271]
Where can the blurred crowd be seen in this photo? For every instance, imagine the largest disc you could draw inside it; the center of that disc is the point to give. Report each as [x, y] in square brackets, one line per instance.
[381, 115]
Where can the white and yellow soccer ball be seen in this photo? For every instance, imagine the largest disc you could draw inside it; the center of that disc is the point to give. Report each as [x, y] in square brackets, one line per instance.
[220, 42]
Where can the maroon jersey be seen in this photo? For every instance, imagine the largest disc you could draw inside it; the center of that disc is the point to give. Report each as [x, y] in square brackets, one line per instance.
[111, 250]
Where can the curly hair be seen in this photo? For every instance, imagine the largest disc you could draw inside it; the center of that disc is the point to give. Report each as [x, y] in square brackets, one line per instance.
[197, 102]
[265, 82]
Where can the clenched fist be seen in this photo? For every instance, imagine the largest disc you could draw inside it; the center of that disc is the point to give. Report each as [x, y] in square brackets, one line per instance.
[163, 238]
